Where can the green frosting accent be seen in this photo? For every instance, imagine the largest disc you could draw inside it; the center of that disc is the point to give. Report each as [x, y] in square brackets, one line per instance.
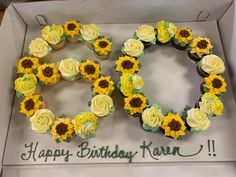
[80, 38]
[195, 131]
[20, 75]
[18, 94]
[149, 128]
[89, 103]
[118, 85]
[87, 136]
[62, 37]
[57, 141]
[184, 114]
[156, 106]
[35, 71]
[135, 91]
[26, 78]
[153, 41]
[40, 98]
[67, 140]
[62, 116]
[40, 83]
[111, 110]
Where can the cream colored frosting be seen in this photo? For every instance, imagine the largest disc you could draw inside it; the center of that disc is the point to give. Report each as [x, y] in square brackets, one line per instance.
[69, 67]
[90, 32]
[197, 120]
[212, 64]
[137, 81]
[101, 105]
[146, 33]
[133, 47]
[42, 120]
[153, 117]
[88, 129]
[53, 34]
[39, 48]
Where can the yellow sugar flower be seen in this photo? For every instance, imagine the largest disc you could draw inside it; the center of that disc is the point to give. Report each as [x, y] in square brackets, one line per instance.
[201, 46]
[102, 46]
[173, 125]
[90, 70]
[127, 64]
[48, 73]
[216, 84]
[126, 86]
[27, 64]
[184, 35]
[62, 130]
[31, 104]
[103, 85]
[72, 28]
[135, 103]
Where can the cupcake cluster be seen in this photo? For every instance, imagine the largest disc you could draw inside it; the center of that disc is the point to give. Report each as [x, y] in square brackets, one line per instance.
[36, 71]
[199, 49]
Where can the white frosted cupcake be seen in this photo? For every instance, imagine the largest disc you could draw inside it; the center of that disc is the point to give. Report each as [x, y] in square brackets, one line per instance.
[69, 68]
[89, 33]
[133, 48]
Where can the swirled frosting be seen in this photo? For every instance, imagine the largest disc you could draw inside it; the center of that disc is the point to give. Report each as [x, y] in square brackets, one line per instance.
[212, 64]
[133, 47]
[137, 81]
[90, 32]
[53, 34]
[102, 105]
[146, 33]
[39, 48]
[69, 68]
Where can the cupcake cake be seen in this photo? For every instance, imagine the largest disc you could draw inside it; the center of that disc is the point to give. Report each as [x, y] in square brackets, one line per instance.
[102, 47]
[48, 74]
[103, 85]
[27, 65]
[90, 70]
[210, 64]
[133, 48]
[85, 125]
[54, 35]
[72, 31]
[146, 34]
[182, 38]
[199, 47]
[69, 68]
[89, 33]
[39, 48]
[127, 64]
[165, 32]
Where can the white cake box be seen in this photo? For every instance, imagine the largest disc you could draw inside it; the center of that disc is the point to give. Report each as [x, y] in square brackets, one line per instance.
[23, 22]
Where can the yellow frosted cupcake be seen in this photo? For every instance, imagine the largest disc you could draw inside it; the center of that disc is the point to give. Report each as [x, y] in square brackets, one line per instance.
[133, 48]
[102, 47]
[89, 33]
[27, 65]
[72, 31]
[103, 85]
[90, 70]
[182, 38]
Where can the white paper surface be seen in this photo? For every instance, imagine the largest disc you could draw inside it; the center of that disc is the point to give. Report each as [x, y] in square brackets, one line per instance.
[171, 80]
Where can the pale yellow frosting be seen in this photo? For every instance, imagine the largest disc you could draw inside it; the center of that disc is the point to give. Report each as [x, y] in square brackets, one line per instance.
[153, 117]
[69, 67]
[90, 32]
[212, 64]
[137, 81]
[53, 34]
[146, 33]
[39, 48]
[133, 47]
[42, 120]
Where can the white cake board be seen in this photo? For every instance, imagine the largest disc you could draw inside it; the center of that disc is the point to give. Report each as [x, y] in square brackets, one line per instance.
[170, 79]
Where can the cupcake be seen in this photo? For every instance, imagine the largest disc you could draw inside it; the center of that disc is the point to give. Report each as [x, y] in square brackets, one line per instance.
[165, 32]
[103, 85]
[182, 38]
[72, 31]
[211, 104]
[27, 85]
[31, 104]
[173, 126]
[90, 70]
[199, 47]
[152, 118]
[39, 48]
[214, 84]
[62, 130]
[210, 64]
[146, 34]
[27, 65]
[127, 64]
[42, 121]
[102, 47]
[85, 125]
[48, 74]
[135, 104]
[89, 33]
[102, 105]
[133, 48]
[69, 68]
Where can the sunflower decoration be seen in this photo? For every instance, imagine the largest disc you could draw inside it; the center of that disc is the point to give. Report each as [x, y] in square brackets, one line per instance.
[90, 70]
[27, 65]
[62, 130]
[48, 74]
[182, 37]
[102, 46]
[103, 85]
[173, 126]
[72, 28]
[127, 64]
[201, 46]
[135, 104]
[214, 84]
[31, 104]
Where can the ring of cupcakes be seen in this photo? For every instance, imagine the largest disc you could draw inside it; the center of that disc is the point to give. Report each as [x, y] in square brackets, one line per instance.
[211, 67]
[36, 71]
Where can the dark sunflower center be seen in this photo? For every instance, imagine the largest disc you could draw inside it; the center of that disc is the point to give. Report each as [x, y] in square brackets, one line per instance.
[136, 102]
[48, 72]
[103, 84]
[174, 125]
[61, 129]
[89, 69]
[184, 33]
[202, 44]
[126, 64]
[27, 63]
[29, 104]
[71, 27]
[102, 44]
[216, 83]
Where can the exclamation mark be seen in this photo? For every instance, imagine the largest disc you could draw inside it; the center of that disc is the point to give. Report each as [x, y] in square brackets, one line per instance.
[209, 147]
[211, 143]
